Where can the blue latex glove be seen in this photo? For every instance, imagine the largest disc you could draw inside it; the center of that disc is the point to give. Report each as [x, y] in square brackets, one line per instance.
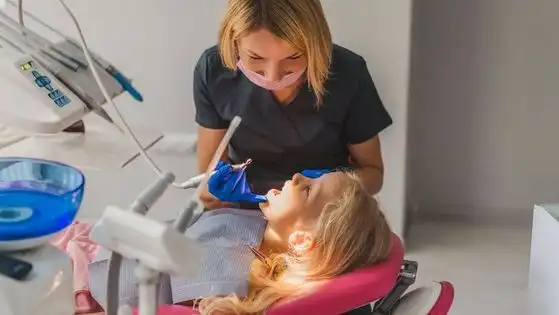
[315, 173]
[231, 185]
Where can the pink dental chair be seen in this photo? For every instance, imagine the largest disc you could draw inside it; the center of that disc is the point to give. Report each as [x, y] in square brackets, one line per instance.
[384, 284]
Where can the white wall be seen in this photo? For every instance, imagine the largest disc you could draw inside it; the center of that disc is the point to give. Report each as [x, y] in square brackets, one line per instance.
[158, 42]
[483, 107]
[380, 31]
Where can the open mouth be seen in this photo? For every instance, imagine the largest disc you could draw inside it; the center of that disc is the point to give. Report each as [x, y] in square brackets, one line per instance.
[273, 193]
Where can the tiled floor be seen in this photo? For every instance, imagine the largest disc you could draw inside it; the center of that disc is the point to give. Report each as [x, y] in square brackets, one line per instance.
[487, 264]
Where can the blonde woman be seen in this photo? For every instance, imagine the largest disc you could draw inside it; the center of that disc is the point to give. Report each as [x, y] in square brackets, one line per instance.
[310, 230]
[306, 103]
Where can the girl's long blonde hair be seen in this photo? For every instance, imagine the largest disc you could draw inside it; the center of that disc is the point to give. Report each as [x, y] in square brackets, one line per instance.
[351, 233]
[299, 22]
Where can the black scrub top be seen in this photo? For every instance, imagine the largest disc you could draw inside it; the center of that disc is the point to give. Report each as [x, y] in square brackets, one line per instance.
[285, 139]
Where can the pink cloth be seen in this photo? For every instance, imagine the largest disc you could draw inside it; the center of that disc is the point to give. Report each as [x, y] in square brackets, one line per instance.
[81, 250]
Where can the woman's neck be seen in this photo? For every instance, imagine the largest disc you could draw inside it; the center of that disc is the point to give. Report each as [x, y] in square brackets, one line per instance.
[287, 95]
[275, 241]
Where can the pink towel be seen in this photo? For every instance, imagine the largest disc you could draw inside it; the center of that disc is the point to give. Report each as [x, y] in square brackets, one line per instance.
[81, 250]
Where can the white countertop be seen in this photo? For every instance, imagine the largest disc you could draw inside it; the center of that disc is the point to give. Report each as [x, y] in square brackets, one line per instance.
[99, 154]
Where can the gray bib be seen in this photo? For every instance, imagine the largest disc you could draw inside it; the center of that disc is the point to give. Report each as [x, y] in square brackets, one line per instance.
[223, 235]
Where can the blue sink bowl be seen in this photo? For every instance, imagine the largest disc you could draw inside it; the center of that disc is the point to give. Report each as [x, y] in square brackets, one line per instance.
[38, 198]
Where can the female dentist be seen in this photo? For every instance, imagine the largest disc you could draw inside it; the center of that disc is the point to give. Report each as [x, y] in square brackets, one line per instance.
[306, 103]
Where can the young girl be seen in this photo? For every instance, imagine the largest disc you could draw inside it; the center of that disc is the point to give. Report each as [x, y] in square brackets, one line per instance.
[317, 230]
[313, 229]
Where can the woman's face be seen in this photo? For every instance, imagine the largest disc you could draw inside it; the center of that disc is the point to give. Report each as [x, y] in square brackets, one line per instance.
[270, 56]
[301, 200]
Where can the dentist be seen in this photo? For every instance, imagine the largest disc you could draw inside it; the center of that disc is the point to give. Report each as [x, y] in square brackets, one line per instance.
[306, 103]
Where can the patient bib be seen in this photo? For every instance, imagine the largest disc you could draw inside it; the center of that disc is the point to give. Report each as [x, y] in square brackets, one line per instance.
[223, 235]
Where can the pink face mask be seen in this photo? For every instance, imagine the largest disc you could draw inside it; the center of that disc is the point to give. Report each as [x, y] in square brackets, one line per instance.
[262, 82]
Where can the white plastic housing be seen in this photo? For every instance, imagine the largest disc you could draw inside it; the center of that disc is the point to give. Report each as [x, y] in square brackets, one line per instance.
[27, 106]
[48, 290]
[155, 244]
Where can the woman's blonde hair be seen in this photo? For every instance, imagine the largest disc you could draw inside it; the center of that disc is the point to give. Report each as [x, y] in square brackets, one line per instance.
[351, 233]
[299, 22]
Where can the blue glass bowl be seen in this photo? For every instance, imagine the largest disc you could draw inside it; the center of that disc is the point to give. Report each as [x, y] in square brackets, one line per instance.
[38, 198]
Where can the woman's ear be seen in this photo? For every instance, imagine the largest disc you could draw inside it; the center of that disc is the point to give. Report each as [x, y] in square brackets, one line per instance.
[301, 241]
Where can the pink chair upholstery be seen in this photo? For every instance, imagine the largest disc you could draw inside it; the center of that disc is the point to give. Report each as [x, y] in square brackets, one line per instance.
[441, 306]
[350, 291]
[172, 310]
[338, 295]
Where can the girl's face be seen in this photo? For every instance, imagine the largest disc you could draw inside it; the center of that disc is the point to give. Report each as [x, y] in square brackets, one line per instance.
[270, 56]
[302, 199]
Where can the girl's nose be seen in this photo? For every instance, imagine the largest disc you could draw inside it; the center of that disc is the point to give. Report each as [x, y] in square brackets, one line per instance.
[297, 178]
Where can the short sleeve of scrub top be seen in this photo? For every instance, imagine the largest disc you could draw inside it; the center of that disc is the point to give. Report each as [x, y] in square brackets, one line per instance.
[283, 139]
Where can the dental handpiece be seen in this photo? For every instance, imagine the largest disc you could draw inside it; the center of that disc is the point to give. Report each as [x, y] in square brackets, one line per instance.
[195, 181]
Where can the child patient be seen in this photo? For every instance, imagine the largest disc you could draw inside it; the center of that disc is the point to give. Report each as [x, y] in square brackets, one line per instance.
[310, 230]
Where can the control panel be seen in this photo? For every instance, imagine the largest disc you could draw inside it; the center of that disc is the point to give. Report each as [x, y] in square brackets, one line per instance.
[47, 89]
[43, 81]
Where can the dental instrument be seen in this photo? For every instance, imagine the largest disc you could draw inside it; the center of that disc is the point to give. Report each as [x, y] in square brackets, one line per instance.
[231, 185]
[149, 146]
[55, 85]
[241, 168]
[196, 181]
[257, 253]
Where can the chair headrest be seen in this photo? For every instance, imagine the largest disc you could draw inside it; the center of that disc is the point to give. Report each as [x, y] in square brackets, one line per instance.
[347, 292]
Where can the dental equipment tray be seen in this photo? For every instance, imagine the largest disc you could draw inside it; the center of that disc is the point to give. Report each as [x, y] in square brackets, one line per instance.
[51, 95]
[81, 80]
